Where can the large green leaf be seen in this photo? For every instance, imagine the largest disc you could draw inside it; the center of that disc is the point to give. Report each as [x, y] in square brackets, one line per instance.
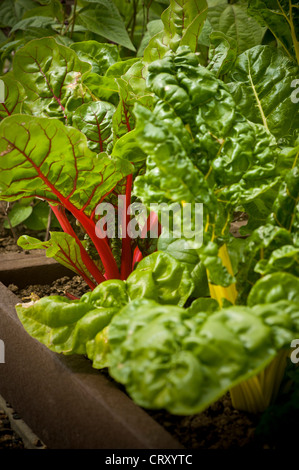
[77, 326]
[162, 278]
[282, 18]
[68, 326]
[50, 74]
[42, 157]
[17, 215]
[100, 56]
[103, 18]
[222, 53]
[183, 21]
[273, 288]
[95, 121]
[14, 96]
[198, 142]
[232, 19]
[182, 361]
[262, 87]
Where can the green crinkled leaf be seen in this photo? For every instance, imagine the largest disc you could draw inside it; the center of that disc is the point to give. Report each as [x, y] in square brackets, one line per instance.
[180, 250]
[132, 89]
[67, 326]
[222, 53]
[183, 21]
[103, 18]
[127, 147]
[286, 205]
[183, 361]
[50, 74]
[79, 326]
[200, 147]
[262, 88]
[14, 96]
[43, 158]
[102, 88]
[282, 18]
[162, 278]
[273, 288]
[99, 56]
[285, 258]
[95, 121]
[258, 249]
[218, 274]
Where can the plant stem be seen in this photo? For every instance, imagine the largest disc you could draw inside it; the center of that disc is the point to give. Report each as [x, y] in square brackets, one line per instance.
[9, 223]
[67, 228]
[73, 19]
[126, 254]
[48, 224]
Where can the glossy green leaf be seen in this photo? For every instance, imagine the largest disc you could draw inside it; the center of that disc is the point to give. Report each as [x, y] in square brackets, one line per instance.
[286, 206]
[222, 53]
[182, 361]
[18, 214]
[67, 326]
[183, 21]
[232, 20]
[102, 88]
[284, 259]
[51, 74]
[273, 288]
[99, 56]
[46, 159]
[181, 251]
[14, 96]
[95, 121]
[160, 277]
[103, 18]
[262, 87]
[282, 18]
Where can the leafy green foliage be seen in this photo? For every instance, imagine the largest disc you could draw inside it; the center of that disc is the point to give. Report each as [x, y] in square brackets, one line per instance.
[262, 87]
[282, 18]
[53, 148]
[205, 115]
[75, 326]
[168, 358]
[103, 19]
[183, 21]
[231, 18]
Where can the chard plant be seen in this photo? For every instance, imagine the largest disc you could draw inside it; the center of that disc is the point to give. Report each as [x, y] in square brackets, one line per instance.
[200, 118]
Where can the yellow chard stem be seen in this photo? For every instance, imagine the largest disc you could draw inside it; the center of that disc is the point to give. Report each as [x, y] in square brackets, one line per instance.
[257, 393]
[218, 292]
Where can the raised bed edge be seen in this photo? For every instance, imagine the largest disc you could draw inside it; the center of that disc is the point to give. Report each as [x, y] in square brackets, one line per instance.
[67, 403]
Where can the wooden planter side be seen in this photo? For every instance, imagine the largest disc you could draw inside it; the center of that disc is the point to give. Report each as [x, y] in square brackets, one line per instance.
[67, 403]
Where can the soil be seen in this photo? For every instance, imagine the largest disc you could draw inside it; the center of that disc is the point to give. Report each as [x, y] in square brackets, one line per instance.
[8, 438]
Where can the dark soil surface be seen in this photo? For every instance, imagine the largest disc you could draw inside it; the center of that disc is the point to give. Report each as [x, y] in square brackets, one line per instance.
[8, 438]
